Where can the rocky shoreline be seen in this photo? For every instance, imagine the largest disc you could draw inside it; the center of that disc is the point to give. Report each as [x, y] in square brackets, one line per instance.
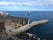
[20, 36]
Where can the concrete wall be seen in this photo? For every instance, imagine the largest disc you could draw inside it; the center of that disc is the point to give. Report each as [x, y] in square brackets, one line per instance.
[18, 20]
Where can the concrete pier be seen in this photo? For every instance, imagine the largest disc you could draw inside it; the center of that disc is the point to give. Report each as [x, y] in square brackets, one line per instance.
[27, 27]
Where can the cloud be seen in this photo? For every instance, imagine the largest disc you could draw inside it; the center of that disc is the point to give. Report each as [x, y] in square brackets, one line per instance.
[7, 3]
[15, 3]
[26, 5]
[38, 3]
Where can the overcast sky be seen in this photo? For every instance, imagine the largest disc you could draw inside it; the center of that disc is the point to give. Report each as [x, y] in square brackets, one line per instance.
[26, 5]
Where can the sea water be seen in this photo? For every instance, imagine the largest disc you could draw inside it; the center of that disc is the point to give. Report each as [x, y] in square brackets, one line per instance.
[42, 31]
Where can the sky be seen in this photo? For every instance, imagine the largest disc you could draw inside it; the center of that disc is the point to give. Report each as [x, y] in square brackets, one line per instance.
[26, 5]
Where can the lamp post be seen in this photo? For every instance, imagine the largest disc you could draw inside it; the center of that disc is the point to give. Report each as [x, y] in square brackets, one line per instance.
[28, 16]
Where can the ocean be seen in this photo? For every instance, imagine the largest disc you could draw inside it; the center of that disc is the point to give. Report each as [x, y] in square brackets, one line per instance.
[43, 31]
